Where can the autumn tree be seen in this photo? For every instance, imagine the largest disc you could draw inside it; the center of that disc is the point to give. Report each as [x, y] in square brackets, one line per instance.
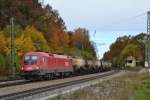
[37, 38]
[2, 53]
[2, 43]
[31, 12]
[82, 43]
[39, 27]
[55, 43]
[24, 44]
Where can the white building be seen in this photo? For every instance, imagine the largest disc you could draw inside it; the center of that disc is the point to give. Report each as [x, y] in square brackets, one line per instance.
[130, 61]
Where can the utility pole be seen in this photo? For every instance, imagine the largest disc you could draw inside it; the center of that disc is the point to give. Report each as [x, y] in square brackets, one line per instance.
[147, 44]
[12, 54]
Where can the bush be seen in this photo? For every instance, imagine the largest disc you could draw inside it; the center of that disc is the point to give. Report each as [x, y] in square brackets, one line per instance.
[2, 61]
[4, 70]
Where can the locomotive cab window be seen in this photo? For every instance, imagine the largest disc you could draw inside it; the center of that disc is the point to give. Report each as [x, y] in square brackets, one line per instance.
[30, 59]
[43, 60]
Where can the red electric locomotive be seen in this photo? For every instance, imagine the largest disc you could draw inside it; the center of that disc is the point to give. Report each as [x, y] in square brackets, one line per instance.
[45, 65]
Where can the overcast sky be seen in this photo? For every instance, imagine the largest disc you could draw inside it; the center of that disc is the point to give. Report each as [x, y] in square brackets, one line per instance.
[110, 18]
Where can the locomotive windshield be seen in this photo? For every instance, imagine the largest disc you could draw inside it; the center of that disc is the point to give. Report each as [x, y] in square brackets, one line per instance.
[30, 59]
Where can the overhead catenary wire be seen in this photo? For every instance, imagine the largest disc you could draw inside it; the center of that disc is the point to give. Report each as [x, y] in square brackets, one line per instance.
[121, 22]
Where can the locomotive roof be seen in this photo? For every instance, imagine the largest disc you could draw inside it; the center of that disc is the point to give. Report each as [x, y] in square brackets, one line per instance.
[60, 56]
[47, 54]
[37, 53]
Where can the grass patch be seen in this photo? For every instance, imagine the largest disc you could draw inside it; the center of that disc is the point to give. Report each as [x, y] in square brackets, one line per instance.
[10, 77]
[137, 68]
[132, 86]
[143, 90]
[4, 78]
[143, 94]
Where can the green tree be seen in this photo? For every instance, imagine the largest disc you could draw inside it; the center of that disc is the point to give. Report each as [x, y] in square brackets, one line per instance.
[16, 30]
[130, 50]
[2, 61]
[123, 47]
[115, 50]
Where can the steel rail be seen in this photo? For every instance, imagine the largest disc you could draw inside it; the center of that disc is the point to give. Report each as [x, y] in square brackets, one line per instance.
[6, 83]
[13, 83]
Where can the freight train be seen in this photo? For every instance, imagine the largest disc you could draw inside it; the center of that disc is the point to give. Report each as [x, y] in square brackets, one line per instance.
[41, 65]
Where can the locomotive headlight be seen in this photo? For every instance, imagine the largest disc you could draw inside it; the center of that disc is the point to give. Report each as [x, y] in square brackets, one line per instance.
[22, 68]
[37, 68]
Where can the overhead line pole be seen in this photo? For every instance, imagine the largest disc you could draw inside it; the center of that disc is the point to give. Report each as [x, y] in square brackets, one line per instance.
[12, 54]
[147, 44]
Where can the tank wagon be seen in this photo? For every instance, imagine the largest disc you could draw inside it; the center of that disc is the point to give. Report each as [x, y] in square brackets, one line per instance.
[78, 64]
[82, 66]
[106, 65]
[41, 65]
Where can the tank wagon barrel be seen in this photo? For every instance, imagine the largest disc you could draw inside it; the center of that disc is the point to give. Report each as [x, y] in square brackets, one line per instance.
[82, 66]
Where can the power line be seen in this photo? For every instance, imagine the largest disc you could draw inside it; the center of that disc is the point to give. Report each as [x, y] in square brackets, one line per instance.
[123, 21]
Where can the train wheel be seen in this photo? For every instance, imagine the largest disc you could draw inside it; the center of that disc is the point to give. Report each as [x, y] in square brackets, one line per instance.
[67, 74]
[26, 78]
[49, 76]
[61, 75]
[40, 78]
[71, 74]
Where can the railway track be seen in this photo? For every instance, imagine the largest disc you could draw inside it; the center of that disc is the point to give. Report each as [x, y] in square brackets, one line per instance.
[20, 82]
[13, 83]
[6, 83]
[36, 91]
